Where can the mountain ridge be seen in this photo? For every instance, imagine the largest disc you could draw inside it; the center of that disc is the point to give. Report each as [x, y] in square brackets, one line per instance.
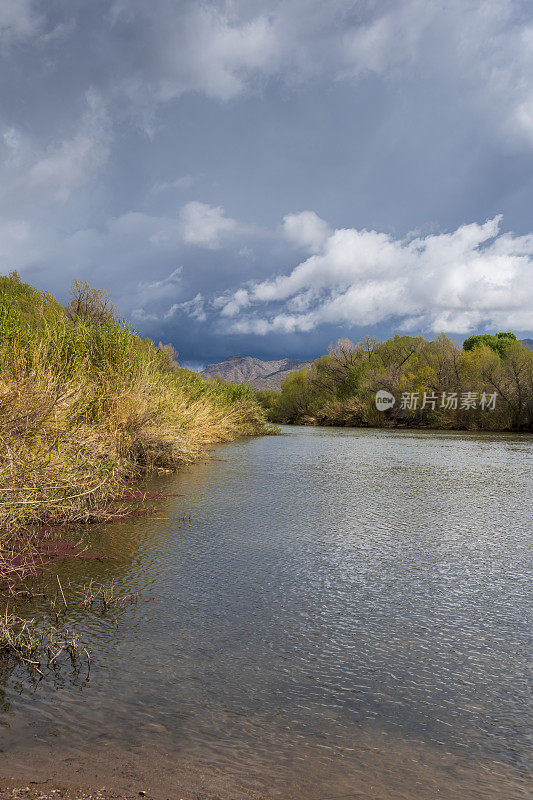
[264, 375]
[259, 374]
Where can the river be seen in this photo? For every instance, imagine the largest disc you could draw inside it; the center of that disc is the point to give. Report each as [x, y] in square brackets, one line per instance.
[329, 613]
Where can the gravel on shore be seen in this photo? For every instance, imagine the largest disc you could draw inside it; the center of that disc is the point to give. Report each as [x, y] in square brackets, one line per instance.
[47, 790]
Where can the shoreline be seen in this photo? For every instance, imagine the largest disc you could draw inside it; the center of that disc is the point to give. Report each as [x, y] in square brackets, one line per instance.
[30, 549]
[45, 544]
[53, 790]
[390, 768]
[428, 428]
[49, 789]
[102, 777]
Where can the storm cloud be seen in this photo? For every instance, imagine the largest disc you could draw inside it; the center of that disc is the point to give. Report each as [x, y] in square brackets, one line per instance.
[263, 176]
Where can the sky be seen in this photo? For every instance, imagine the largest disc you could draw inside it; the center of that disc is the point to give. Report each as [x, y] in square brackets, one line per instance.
[263, 178]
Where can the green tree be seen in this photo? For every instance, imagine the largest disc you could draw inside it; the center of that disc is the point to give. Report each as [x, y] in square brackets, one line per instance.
[499, 342]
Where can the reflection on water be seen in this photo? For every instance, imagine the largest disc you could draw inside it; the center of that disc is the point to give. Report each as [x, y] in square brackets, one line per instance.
[346, 614]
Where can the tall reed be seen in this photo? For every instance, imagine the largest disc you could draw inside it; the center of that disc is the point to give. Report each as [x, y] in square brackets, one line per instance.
[86, 405]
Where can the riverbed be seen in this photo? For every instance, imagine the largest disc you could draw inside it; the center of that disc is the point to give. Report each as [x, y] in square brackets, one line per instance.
[329, 613]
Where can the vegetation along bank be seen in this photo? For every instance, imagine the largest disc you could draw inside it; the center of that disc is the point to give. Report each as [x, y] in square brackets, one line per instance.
[86, 406]
[487, 384]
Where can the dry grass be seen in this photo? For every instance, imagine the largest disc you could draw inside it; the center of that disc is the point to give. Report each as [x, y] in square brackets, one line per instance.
[85, 408]
[56, 466]
[27, 642]
[103, 598]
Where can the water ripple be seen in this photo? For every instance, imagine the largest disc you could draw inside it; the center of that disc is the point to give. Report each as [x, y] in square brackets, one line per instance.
[344, 600]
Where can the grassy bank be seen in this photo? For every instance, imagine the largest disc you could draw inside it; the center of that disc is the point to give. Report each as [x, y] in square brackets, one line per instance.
[485, 385]
[86, 406]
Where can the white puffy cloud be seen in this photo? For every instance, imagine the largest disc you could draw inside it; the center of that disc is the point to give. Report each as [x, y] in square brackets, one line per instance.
[454, 282]
[211, 48]
[191, 308]
[306, 230]
[205, 225]
[194, 309]
[232, 304]
[163, 283]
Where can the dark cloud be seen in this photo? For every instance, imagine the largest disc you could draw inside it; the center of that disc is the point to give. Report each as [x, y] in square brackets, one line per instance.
[167, 150]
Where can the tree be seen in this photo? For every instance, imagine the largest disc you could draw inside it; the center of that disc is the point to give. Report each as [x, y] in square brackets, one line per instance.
[167, 358]
[90, 305]
[498, 342]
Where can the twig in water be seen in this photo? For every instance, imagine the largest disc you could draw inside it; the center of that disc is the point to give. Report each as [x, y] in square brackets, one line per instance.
[62, 593]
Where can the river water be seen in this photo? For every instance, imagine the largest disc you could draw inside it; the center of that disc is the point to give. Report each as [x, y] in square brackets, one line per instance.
[343, 615]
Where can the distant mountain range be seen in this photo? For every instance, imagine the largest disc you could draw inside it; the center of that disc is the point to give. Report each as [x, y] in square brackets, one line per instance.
[266, 374]
[259, 374]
